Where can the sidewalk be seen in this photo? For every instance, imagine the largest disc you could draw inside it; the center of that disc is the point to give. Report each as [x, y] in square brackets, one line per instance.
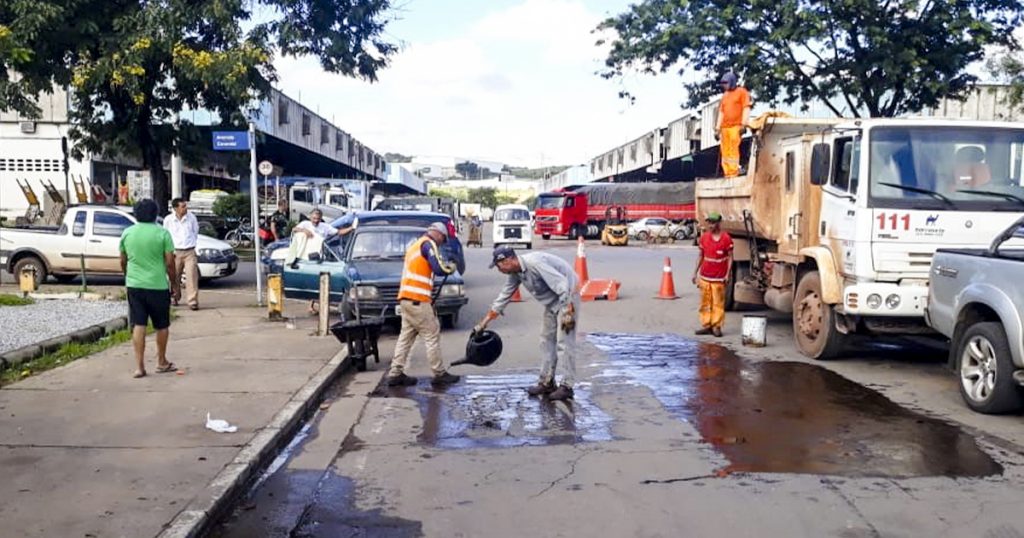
[86, 450]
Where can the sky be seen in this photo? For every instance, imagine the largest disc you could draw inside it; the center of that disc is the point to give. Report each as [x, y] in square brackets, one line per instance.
[506, 80]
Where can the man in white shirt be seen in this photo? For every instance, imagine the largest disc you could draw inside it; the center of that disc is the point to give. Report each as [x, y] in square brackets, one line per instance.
[306, 230]
[184, 229]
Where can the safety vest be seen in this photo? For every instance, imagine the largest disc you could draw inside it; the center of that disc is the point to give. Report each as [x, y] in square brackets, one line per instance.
[417, 276]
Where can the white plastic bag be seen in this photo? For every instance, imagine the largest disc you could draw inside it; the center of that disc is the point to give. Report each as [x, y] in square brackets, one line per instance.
[219, 426]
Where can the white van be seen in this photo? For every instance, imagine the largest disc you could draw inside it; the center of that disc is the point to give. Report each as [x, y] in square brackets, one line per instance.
[513, 226]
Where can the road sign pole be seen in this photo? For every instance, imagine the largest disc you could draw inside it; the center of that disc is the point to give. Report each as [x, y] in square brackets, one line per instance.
[254, 202]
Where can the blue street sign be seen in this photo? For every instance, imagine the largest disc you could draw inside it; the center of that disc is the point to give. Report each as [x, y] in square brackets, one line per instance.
[231, 140]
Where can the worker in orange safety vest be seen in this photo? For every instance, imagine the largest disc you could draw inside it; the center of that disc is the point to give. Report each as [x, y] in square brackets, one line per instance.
[733, 118]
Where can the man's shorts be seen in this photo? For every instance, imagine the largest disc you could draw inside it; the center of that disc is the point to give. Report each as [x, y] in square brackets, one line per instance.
[145, 305]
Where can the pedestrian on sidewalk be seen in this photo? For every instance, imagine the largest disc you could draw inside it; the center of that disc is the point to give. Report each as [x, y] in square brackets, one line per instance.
[184, 229]
[278, 221]
[712, 273]
[416, 297]
[552, 281]
[733, 118]
[147, 260]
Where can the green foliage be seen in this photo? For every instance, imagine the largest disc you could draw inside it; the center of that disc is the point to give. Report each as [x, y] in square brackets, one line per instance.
[468, 170]
[63, 355]
[397, 158]
[883, 58]
[454, 194]
[233, 206]
[486, 197]
[504, 198]
[7, 299]
[132, 65]
[1009, 67]
[534, 173]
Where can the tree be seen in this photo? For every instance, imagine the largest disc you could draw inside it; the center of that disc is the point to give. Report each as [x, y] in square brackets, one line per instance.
[467, 169]
[1009, 67]
[233, 206]
[486, 197]
[885, 58]
[133, 66]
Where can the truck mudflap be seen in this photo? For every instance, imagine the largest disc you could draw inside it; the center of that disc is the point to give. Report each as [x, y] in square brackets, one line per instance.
[831, 287]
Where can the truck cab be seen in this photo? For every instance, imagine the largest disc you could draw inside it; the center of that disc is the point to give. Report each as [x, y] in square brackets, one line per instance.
[561, 213]
[304, 197]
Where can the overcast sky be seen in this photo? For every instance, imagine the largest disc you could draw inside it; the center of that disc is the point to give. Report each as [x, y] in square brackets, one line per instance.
[506, 80]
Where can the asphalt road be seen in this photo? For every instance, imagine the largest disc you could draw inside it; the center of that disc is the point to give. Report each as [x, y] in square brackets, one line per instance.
[669, 435]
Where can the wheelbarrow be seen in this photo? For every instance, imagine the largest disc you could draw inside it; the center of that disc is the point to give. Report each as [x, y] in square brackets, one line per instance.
[360, 335]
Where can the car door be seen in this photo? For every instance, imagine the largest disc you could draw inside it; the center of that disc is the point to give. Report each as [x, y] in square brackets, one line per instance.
[102, 250]
[302, 279]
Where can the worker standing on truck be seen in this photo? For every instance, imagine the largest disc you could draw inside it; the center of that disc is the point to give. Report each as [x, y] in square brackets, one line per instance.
[733, 118]
[712, 273]
[184, 229]
[552, 281]
[416, 298]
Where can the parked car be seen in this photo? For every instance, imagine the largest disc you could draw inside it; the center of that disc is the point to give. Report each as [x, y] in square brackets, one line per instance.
[977, 301]
[647, 227]
[274, 254]
[367, 274]
[93, 233]
[512, 226]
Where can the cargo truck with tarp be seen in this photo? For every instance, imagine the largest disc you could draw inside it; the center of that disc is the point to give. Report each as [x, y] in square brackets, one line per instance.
[583, 211]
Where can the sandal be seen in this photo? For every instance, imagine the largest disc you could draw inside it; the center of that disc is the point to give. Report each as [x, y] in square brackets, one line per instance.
[169, 367]
[138, 374]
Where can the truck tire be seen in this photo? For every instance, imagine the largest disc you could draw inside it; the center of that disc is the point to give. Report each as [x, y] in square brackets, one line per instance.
[739, 271]
[574, 232]
[35, 263]
[986, 370]
[814, 323]
[545, 236]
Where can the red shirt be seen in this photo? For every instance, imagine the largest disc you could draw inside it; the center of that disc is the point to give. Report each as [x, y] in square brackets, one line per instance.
[715, 265]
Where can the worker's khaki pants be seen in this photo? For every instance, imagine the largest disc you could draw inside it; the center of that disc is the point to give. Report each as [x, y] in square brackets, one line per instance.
[187, 261]
[418, 320]
[554, 342]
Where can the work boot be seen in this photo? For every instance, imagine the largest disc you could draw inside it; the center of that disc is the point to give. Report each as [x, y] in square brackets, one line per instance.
[401, 380]
[561, 393]
[703, 331]
[717, 331]
[444, 378]
[540, 389]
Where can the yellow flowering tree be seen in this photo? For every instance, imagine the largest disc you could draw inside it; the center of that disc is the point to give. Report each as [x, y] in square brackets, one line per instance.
[132, 66]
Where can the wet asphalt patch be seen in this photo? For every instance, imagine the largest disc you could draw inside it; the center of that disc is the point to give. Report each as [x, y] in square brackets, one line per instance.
[787, 417]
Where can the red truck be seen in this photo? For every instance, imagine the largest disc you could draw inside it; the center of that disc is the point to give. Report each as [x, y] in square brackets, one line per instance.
[581, 210]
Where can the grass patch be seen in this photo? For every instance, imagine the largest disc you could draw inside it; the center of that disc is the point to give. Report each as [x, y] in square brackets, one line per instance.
[8, 299]
[67, 353]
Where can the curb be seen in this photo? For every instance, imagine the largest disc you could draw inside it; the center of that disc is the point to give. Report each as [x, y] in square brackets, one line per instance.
[89, 334]
[210, 505]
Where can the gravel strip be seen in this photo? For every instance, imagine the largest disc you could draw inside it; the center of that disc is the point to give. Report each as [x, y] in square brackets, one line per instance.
[21, 326]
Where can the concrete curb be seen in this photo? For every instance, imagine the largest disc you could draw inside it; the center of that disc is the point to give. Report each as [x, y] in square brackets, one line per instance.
[233, 481]
[89, 334]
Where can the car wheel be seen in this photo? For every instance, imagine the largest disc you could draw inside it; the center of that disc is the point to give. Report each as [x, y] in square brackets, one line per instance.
[986, 370]
[814, 324]
[545, 236]
[642, 235]
[34, 263]
[680, 235]
[450, 321]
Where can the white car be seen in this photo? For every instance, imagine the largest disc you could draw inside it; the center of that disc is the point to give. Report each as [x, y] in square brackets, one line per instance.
[512, 226]
[216, 258]
[647, 227]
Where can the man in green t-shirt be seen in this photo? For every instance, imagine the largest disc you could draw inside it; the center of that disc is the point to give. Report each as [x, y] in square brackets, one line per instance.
[147, 260]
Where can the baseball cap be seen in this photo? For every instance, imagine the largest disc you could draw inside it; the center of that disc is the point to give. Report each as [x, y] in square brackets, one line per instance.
[714, 216]
[439, 227]
[502, 252]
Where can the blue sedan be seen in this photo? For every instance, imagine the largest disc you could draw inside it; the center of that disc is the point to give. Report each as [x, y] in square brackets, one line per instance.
[367, 274]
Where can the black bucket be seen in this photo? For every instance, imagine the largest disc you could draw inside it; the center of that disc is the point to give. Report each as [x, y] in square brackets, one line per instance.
[482, 349]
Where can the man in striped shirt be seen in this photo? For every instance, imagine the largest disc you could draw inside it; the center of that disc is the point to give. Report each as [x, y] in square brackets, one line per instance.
[712, 275]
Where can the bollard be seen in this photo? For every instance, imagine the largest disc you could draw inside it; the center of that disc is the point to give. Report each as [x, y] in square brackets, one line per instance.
[27, 280]
[275, 299]
[325, 303]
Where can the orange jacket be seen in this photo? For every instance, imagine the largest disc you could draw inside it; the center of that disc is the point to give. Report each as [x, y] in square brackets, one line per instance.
[417, 275]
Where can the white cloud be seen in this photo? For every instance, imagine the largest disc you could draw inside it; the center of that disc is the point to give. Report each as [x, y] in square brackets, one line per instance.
[516, 85]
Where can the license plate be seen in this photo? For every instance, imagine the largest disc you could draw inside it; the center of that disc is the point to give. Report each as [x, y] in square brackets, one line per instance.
[398, 310]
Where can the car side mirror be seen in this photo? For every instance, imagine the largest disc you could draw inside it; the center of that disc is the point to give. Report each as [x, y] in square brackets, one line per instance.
[820, 163]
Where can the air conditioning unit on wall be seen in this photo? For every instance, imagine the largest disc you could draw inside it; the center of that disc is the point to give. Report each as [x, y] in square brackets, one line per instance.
[27, 127]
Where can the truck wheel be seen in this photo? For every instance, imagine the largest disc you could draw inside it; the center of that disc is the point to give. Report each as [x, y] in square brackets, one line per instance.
[814, 324]
[986, 370]
[574, 232]
[36, 264]
[642, 235]
[739, 272]
[545, 236]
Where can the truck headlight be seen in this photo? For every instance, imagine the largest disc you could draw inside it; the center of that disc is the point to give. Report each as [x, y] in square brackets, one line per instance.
[892, 302]
[364, 292]
[452, 290]
[874, 301]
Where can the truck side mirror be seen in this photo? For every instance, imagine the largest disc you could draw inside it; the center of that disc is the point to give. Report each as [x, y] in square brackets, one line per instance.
[820, 163]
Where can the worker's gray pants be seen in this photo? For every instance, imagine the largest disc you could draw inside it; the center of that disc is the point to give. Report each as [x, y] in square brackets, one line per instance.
[554, 342]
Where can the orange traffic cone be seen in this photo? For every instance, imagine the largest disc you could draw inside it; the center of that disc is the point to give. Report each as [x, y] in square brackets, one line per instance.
[516, 297]
[668, 286]
[581, 263]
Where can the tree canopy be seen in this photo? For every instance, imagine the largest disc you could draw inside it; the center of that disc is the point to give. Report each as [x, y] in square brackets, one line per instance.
[883, 58]
[133, 65]
[1008, 67]
[468, 169]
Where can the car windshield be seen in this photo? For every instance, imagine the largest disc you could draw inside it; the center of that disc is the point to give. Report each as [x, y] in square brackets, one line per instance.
[511, 214]
[550, 202]
[947, 167]
[382, 244]
[400, 220]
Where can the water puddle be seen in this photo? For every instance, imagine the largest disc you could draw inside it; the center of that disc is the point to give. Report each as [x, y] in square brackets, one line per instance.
[788, 417]
[494, 411]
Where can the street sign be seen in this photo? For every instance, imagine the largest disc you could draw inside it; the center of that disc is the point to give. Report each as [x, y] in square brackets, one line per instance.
[266, 168]
[230, 141]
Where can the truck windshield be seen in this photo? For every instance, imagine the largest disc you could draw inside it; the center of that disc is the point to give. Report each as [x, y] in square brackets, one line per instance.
[383, 244]
[512, 214]
[550, 202]
[967, 168]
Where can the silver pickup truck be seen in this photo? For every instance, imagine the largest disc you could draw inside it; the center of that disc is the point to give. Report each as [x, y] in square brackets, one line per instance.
[976, 299]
